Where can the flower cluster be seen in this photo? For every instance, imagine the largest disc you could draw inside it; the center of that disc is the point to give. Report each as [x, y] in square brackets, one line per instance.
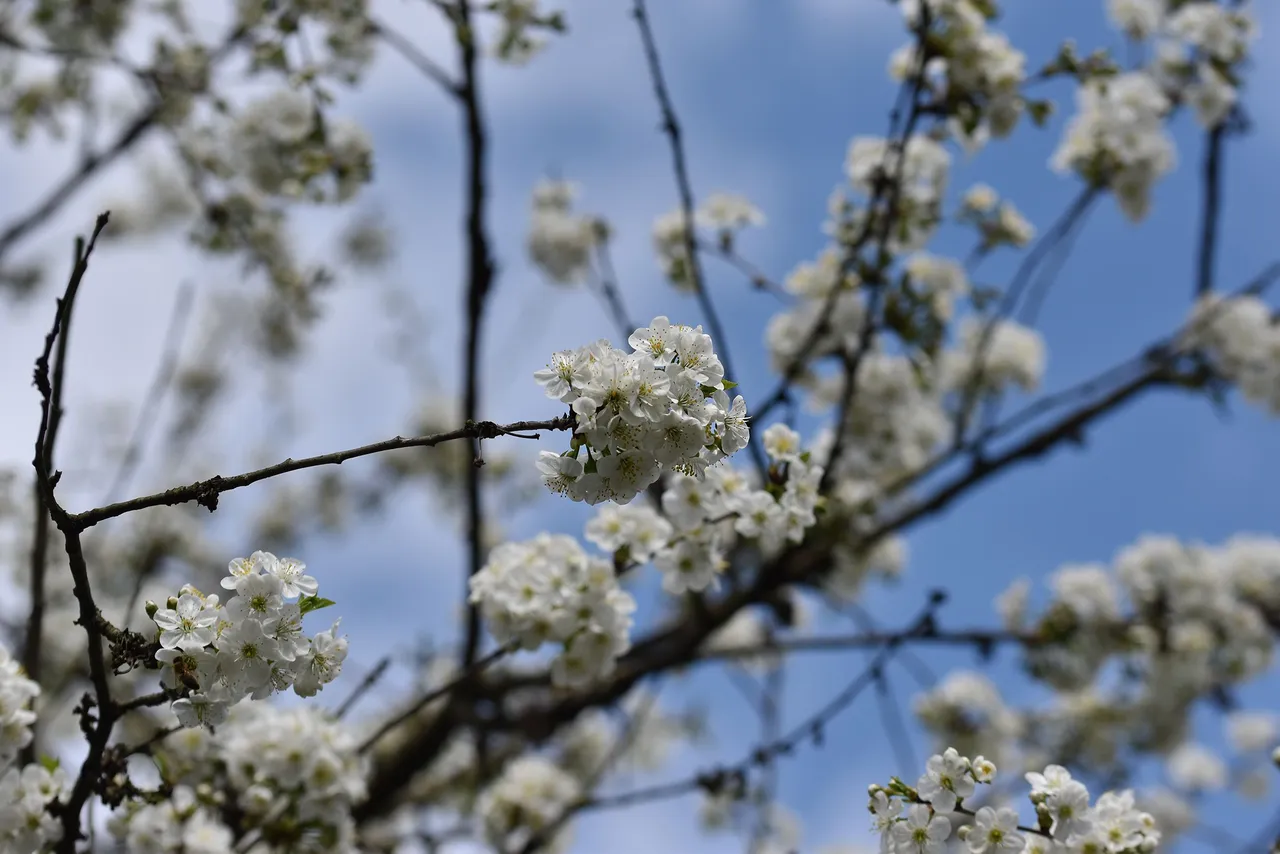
[920, 168]
[517, 41]
[26, 821]
[178, 825]
[26, 824]
[1118, 138]
[548, 590]
[16, 716]
[1066, 822]
[1242, 337]
[560, 242]
[704, 516]
[997, 220]
[723, 213]
[293, 774]
[969, 66]
[253, 646]
[663, 405]
[1199, 46]
[528, 800]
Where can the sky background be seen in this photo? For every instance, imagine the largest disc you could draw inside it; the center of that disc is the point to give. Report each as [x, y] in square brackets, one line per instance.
[769, 93]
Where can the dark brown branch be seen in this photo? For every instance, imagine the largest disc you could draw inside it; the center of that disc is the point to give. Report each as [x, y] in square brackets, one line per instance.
[878, 286]
[51, 389]
[480, 275]
[811, 729]
[1211, 178]
[206, 492]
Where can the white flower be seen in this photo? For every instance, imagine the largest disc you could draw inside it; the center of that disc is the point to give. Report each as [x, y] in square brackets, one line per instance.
[781, 443]
[293, 578]
[885, 811]
[994, 832]
[188, 626]
[1068, 804]
[1195, 767]
[728, 212]
[921, 833]
[946, 781]
[558, 472]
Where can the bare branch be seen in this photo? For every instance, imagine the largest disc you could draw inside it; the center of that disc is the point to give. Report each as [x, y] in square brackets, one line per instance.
[480, 275]
[671, 126]
[206, 492]
[415, 57]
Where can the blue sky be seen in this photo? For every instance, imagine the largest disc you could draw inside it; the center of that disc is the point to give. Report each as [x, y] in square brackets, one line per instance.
[770, 94]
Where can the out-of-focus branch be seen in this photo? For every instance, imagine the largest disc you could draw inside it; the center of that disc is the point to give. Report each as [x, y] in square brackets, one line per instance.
[415, 57]
[1211, 181]
[810, 729]
[480, 274]
[1022, 278]
[671, 126]
[156, 392]
[87, 167]
[206, 492]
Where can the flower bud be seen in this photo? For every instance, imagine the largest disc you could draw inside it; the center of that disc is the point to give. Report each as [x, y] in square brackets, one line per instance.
[151, 608]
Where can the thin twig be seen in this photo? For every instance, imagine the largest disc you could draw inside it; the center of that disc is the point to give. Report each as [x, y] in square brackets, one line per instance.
[477, 667]
[480, 275]
[366, 684]
[812, 728]
[156, 392]
[1212, 185]
[52, 388]
[206, 492]
[671, 126]
[415, 57]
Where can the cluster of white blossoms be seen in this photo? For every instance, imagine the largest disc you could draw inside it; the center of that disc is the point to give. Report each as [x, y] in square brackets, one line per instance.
[1242, 337]
[16, 715]
[560, 242]
[920, 820]
[292, 774]
[920, 168]
[662, 406]
[1118, 138]
[1198, 46]
[972, 67]
[528, 800]
[26, 798]
[548, 590]
[253, 646]
[723, 213]
[702, 516]
[26, 824]
[997, 220]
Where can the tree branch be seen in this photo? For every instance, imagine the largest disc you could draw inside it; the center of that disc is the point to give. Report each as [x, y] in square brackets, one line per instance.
[480, 274]
[1211, 178]
[206, 492]
[671, 126]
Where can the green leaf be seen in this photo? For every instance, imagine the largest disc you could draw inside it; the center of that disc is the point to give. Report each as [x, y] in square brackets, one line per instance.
[50, 763]
[728, 384]
[314, 603]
